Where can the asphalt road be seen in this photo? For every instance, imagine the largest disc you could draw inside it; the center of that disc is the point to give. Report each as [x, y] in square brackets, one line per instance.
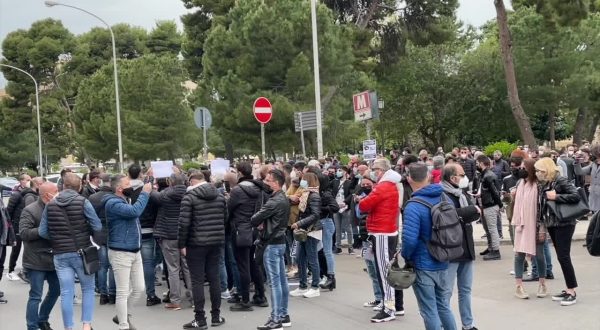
[494, 305]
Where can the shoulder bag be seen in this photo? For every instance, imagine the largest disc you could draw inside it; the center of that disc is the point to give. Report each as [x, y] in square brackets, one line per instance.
[571, 212]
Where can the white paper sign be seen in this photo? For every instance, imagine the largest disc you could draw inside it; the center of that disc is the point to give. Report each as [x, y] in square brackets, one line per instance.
[219, 166]
[162, 169]
[369, 150]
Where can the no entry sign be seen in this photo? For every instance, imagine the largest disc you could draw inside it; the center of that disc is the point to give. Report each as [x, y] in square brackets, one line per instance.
[263, 111]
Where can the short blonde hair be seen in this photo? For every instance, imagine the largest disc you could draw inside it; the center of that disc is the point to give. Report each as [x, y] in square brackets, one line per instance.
[547, 164]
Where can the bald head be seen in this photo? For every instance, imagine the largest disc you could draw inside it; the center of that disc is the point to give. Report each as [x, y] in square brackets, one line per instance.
[72, 181]
[47, 191]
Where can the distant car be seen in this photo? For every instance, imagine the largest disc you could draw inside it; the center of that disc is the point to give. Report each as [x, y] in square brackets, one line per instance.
[8, 182]
[53, 177]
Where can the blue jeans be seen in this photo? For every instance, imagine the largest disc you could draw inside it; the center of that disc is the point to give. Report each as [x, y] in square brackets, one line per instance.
[67, 265]
[328, 232]
[106, 277]
[222, 271]
[233, 275]
[462, 273]
[431, 289]
[548, 258]
[151, 256]
[307, 256]
[36, 313]
[274, 261]
[372, 270]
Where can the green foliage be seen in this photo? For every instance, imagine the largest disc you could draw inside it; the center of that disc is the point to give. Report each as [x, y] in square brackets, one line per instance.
[155, 121]
[190, 165]
[505, 147]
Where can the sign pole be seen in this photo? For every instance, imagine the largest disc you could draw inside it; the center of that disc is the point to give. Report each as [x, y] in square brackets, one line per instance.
[262, 138]
[368, 124]
[204, 135]
[313, 13]
[302, 134]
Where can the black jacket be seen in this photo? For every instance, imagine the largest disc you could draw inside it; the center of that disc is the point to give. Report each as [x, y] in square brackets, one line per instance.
[467, 215]
[334, 186]
[202, 217]
[88, 191]
[98, 204]
[17, 202]
[469, 167]
[329, 205]
[566, 193]
[37, 254]
[273, 217]
[490, 194]
[169, 205]
[312, 213]
[244, 202]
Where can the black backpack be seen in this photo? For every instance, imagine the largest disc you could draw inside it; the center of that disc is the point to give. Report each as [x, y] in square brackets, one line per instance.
[592, 238]
[446, 230]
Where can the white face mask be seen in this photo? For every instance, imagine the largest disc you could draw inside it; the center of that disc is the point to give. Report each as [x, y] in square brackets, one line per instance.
[464, 183]
[293, 174]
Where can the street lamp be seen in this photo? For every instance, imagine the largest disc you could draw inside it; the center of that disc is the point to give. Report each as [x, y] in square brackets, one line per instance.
[114, 50]
[315, 42]
[37, 106]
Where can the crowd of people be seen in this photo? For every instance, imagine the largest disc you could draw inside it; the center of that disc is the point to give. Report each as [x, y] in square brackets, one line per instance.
[261, 224]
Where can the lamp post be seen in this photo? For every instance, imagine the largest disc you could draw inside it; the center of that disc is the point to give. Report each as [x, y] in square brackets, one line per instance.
[37, 106]
[315, 42]
[49, 3]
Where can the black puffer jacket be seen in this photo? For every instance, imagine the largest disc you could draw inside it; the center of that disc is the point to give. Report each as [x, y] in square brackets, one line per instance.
[469, 167]
[242, 206]
[37, 254]
[312, 213]
[68, 235]
[98, 204]
[566, 193]
[88, 191]
[169, 205]
[16, 204]
[202, 217]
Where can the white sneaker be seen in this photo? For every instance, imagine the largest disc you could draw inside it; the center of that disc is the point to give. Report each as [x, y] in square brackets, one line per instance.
[323, 280]
[512, 272]
[378, 307]
[76, 300]
[225, 294]
[298, 292]
[399, 313]
[12, 276]
[312, 293]
[373, 303]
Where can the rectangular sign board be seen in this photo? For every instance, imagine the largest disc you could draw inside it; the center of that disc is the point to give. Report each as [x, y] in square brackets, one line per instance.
[369, 150]
[362, 106]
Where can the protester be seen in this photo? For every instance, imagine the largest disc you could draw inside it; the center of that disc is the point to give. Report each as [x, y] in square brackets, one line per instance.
[488, 193]
[37, 260]
[272, 220]
[201, 239]
[68, 221]
[431, 286]
[558, 189]
[92, 185]
[591, 169]
[124, 244]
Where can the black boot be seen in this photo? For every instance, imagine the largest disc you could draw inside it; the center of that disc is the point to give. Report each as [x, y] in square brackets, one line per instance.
[330, 283]
[44, 326]
[484, 252]
[103, 299]
[112, 299]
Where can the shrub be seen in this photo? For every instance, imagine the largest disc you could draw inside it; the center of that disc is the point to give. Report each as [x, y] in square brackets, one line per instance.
[505, 147]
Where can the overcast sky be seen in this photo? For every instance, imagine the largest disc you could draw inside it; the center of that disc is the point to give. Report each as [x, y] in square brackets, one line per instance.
[19, 14]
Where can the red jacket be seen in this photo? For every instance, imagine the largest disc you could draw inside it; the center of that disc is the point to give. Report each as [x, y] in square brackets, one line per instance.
[436, 176]
[383, 209]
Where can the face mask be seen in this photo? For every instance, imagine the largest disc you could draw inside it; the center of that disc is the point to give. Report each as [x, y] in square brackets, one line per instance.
[570, 153]
[464, 183]
[515, 172]
[541, 176]
[359, 176]
[373, 176]
[27, 184]
[355, 170]
[339, 174]
[293, 175]
[304, 184]
[523, 174]
[331, 176]
[128, 192]
[367, 190]
[463, 156]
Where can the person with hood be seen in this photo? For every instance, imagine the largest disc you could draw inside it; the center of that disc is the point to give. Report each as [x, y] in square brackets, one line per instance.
[431, 286]
[166, 230]
[106, 277]
[272, 220]
[201, 239]
[25, 194]
[383, 206]
[460, 270]
[37, 260]
[244, 201]
[554, 187]
[124, 244]
[307, 253]
[68, 221]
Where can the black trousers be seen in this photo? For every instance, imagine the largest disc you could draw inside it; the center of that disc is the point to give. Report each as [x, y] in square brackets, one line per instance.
[249, 271]
[14, 254]
[561, 237]
[203, 263]
[2, 259]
